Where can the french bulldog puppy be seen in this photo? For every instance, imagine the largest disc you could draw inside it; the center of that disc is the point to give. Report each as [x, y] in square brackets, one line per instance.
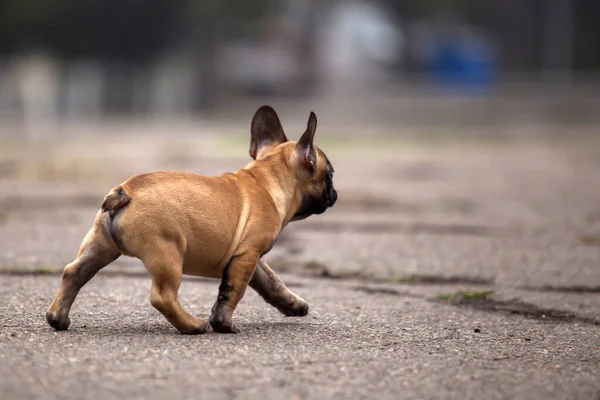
[182, 223]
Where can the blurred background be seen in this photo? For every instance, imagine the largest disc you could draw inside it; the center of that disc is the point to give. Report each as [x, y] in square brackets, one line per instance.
[464, 133]
[392, 62]
[465, 137]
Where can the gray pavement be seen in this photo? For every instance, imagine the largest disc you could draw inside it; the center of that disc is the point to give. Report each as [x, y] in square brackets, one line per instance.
[353, 344]
[514, 224]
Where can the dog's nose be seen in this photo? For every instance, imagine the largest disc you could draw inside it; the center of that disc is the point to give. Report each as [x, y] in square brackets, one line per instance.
[334, 197]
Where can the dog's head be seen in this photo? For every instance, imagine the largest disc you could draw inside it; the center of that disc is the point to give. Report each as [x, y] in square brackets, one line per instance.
[313, 171]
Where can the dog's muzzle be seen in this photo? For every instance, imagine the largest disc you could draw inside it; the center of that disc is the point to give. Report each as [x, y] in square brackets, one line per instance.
[331, 197]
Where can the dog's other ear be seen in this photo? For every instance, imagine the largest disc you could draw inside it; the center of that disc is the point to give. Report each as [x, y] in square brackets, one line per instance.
[305, 148]
[266, 131]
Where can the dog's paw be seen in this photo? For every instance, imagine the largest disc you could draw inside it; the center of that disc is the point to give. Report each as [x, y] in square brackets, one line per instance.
[60, 324]
[221, 324]
[226, 328]
[198, 328]
[298, 309]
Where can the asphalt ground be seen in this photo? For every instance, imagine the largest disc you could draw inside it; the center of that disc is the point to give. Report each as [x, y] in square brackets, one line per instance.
[448, 268]
[353, 344]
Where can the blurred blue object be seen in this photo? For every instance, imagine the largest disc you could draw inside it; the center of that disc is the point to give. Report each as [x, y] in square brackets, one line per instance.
[464, 64]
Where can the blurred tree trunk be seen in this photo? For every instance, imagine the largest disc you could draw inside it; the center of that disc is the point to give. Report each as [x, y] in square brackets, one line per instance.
[205, 45]
[586, 35]
[557, 46]
[515, 29]
[307, 48]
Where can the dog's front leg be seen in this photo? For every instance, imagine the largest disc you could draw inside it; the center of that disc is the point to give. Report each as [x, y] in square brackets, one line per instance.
[235, 279]
[268, 285]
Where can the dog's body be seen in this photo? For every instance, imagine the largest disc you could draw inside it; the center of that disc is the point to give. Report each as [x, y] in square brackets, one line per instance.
[231, 202]
[220, 227]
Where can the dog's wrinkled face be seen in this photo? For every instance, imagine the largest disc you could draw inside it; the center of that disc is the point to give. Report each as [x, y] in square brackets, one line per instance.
[314, 172]
[318, 193]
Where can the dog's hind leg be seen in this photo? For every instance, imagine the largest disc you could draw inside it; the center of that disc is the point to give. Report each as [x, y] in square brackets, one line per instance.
[165, 266]
[96, 252]
[268, 285]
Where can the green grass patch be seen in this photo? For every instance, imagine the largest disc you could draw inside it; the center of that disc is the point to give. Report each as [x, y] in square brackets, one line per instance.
[22, 270]
[444, 296]
[482, 294]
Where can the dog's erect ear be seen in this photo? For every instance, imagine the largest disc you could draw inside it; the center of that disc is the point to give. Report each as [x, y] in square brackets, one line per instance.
[266, 131]
[305, 149]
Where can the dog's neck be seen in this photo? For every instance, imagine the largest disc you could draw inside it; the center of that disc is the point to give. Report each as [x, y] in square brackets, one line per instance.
[280, 183]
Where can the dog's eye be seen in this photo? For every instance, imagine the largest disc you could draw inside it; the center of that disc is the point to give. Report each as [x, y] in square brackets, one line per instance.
[329, 179]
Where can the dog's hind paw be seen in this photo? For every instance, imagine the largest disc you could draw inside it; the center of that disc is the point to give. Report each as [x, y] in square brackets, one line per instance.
[298, 309]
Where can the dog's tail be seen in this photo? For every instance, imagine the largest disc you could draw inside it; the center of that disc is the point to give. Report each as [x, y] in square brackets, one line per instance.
[115, 199]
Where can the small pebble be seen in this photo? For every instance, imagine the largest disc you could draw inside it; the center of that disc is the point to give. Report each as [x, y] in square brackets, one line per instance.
[477, 330]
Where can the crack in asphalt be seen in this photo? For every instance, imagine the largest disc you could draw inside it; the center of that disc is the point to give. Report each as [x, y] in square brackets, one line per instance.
[563, 289]
[412, 228]
[513, 306]
[387, 291]
[439, 280]
[519, 307]
[319, 270]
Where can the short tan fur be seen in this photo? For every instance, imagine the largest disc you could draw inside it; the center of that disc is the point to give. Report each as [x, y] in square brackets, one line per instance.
[183, 223]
